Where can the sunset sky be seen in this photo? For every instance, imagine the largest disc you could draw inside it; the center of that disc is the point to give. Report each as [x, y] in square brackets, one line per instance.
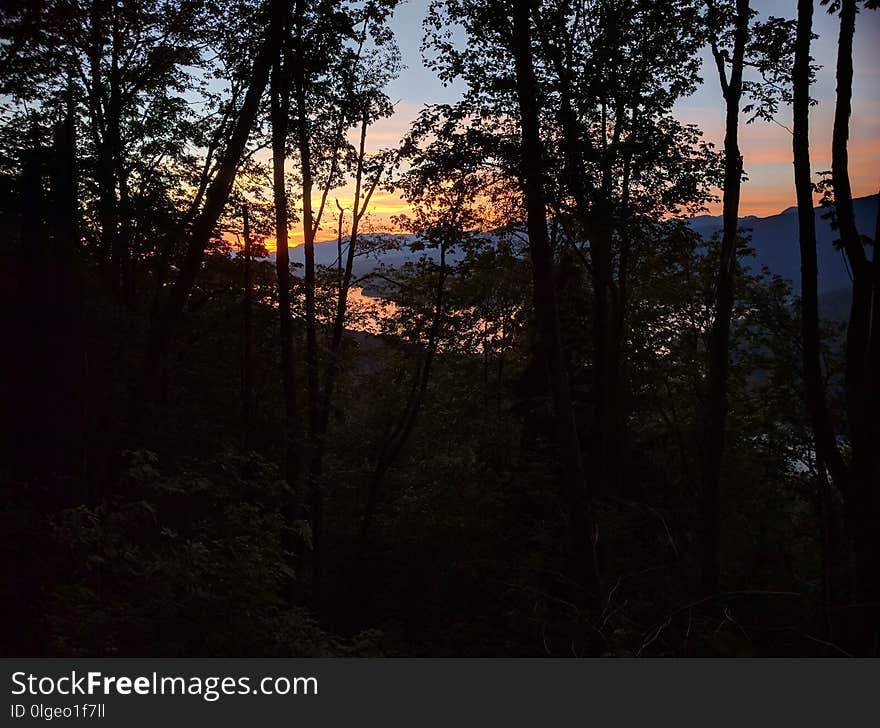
[766, 147]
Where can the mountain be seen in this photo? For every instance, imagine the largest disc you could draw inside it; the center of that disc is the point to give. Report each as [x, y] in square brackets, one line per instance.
[327, 254]
[775, 240]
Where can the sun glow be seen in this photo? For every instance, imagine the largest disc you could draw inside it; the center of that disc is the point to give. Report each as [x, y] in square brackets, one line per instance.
[378, 218]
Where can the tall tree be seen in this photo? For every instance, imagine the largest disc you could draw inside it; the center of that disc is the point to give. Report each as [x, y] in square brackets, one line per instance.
[827, 454]
[862, 363]
[856, 477]
[582, 529]
[291, 434]
[813, 380]
[719, 346]
[340, 57]
[131, 64]
[615, 127]
[441, 199]
[608, 144]
[366, 182]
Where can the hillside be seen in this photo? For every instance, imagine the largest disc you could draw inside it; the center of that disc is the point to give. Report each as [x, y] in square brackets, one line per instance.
[775, 240]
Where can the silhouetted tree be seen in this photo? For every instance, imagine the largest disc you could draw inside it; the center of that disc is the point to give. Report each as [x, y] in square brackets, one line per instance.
[855, 477]
[716, 412]
[582, 530]
[292, 429]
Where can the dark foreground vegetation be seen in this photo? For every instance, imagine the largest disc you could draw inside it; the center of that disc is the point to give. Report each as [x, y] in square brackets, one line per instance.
[580, 429]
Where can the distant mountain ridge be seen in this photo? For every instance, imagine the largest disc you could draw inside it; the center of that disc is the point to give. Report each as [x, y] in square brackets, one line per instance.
[774, 240]
[327, 254]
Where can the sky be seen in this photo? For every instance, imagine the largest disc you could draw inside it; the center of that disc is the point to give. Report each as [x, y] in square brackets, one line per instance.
[766, 147]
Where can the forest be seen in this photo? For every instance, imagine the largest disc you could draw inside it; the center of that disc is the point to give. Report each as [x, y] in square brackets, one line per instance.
[535, 410]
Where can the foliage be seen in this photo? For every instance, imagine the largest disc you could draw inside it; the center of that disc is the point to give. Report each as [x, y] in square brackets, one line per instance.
[183, 563]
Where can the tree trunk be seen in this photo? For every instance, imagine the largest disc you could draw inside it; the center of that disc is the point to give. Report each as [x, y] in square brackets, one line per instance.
[25, 416]
[719, 346]
[291, 431]
[67, 348]
[315, 495]
[582, 530]
[120, 250]
[247, 362]
[823, 430]
[862, 489]
[603, 376]
[101, 128]
[828, 455]
[345, 273]
[618, 354]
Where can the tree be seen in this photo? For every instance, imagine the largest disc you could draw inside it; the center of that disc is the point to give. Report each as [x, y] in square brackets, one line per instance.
[716, 408]
[291, 431]
[338, 60]
[48, 373]
[855, 477]
[827, 454]
[248, 405]
[617, 129]
[582, 530]
[862, 344]
[366, 182]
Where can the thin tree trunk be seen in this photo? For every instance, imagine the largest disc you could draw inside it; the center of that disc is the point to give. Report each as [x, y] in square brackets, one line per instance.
[280, 85]
[828, 456]
[26, 371]
[113, 140]
[27, 411]
[719, 346]
[345, 274]
[101, 127]
[603, 299]
[315, 495]
[617, 355]
[340, 221]
[858, 329]
[582, 529]
[247, 364]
